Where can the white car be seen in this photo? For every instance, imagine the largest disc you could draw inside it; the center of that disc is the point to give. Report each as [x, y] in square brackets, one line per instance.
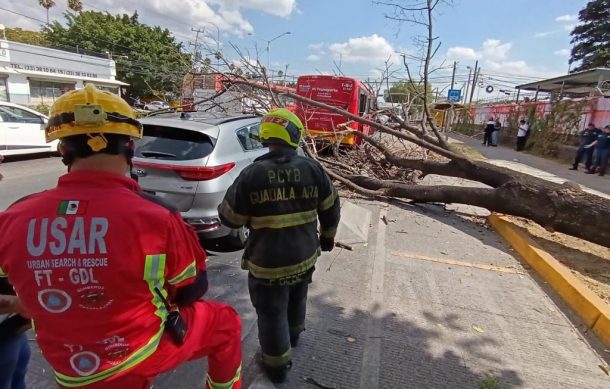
[156, 105]
[22, 131]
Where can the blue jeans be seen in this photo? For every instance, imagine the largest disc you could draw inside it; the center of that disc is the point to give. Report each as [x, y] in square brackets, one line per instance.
[14, 358]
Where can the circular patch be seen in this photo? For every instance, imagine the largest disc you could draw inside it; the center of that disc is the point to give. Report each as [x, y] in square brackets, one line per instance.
[54, 300]
[85, 363]
[93, 297]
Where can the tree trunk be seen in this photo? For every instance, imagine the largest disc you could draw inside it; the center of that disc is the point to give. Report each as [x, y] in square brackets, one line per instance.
[564, 208]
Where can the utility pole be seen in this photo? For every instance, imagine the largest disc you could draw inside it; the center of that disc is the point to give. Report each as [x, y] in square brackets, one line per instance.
[467, 85]
[196, 44]
[453, 76]
[474, 80]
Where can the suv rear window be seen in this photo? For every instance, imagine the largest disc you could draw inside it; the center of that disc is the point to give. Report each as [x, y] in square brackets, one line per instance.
[174, 144]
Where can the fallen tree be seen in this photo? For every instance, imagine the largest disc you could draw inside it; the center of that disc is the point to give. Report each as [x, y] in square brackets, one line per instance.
[379, 169]
[559, 207]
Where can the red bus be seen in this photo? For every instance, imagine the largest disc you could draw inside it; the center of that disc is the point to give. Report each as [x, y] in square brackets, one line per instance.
[201, 86]
[341, 92]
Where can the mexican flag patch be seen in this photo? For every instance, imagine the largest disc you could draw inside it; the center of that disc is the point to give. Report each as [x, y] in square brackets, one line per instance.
[72, 207]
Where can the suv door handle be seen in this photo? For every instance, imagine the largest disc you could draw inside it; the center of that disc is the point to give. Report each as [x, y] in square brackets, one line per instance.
[13, 127]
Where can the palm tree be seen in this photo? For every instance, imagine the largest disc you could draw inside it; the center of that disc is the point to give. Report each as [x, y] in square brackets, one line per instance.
[75, 5]
[47, 4]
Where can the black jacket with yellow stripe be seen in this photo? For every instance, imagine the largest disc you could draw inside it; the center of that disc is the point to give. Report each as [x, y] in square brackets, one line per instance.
[280, 197]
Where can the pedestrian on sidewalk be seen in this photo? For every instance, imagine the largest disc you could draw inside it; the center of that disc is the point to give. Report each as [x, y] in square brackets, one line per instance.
[495, 133]
[280, 198]
[602, 152]
[14, 347]
[587, 137]
[112, 276]
[487, 131]
[522, 134]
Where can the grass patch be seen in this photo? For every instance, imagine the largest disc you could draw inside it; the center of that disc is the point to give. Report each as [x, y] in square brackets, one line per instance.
[489, 382]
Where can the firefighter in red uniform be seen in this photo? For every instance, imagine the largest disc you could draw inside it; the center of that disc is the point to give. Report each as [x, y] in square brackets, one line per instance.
[281, 197]
[112, 277]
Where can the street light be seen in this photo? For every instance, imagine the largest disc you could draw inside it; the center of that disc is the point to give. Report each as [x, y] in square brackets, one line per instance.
[271, 40]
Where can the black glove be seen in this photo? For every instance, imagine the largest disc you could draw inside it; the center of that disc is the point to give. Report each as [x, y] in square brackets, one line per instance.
[327, 244]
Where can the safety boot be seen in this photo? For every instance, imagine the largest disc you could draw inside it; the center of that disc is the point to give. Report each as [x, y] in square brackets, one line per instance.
[278, 374]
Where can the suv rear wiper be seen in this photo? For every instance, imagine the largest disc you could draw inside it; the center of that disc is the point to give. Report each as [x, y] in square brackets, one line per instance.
[157, 154]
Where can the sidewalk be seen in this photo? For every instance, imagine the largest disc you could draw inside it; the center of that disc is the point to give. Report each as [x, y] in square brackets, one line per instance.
[546, 168]
[431, 300]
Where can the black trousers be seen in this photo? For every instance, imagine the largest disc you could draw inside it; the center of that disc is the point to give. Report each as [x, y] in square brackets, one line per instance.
[521, 142]
[487, 137]
[601, 160]
[281, 314]
[584, 152]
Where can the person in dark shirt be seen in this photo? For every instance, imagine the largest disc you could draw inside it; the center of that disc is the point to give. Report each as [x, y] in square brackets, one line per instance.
[587, 137]
[602, 152]
[489, 129]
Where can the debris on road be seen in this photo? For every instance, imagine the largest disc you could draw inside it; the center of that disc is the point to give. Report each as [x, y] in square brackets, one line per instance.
[478, 329]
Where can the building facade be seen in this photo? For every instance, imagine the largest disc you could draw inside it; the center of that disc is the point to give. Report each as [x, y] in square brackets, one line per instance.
[33, 75]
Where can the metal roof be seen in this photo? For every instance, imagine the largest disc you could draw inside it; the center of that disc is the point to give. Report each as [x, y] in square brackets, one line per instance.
[578, 83]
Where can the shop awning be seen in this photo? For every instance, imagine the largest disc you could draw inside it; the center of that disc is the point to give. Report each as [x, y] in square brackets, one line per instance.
[583, 82]
[47, 76]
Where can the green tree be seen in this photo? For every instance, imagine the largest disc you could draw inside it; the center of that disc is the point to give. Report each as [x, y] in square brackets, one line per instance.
[148, 58]
[406, 91]
[591, 37]
[24, 36]
[47, 4]
[75, 5]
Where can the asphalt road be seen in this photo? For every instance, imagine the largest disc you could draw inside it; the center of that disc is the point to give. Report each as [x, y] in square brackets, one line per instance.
[31, 174]
[428, 299]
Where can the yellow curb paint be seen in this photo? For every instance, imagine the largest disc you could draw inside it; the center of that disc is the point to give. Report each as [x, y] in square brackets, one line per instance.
[590, 307]
[601, 328]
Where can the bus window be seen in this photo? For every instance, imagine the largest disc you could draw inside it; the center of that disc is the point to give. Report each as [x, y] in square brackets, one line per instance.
[363, 103]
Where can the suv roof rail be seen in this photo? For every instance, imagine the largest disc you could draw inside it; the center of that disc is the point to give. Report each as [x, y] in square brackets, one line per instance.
[234, 118]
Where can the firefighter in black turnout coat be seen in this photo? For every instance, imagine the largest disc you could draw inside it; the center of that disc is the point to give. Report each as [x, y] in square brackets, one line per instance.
[280, 198]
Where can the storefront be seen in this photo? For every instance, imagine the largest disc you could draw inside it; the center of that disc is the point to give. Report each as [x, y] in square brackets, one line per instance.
[34, 75]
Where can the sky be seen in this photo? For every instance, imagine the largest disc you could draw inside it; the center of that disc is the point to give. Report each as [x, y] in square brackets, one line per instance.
[515, 41]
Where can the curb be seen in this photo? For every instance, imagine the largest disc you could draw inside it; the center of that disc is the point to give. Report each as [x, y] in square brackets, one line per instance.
[591, 308]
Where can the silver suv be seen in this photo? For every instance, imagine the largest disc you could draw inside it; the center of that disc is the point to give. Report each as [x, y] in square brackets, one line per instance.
[192, 162]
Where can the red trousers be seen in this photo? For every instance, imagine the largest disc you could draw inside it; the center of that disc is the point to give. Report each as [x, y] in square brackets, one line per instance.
[214, 331]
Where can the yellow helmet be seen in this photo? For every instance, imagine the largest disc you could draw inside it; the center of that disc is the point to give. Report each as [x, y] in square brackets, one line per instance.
[281, 125]
[89, 110]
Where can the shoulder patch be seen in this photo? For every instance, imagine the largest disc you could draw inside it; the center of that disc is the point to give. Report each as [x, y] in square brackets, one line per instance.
[159, 201]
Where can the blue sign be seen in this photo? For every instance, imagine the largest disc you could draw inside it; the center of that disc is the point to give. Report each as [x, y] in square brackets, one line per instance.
[454, 95]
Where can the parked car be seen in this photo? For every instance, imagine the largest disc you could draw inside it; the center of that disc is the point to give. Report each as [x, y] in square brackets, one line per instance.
[192, 162]
[156, 105]
[22, 131]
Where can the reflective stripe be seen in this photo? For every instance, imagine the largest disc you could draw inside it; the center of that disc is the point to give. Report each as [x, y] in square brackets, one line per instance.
[328, 201]
[277, 361]
[189, 272]
[297, 329]
[154, 275]
[228, 213]
[267, 273]
[329, 233]
[225, 385]
[285, 220]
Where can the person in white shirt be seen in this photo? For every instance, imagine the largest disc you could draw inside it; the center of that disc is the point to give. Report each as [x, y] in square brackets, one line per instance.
[522, 134]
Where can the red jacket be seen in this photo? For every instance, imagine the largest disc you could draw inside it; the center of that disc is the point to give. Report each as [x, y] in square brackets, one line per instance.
[85, 259]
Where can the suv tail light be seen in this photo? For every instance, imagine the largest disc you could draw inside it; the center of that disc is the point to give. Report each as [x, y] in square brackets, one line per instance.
[192, 173]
